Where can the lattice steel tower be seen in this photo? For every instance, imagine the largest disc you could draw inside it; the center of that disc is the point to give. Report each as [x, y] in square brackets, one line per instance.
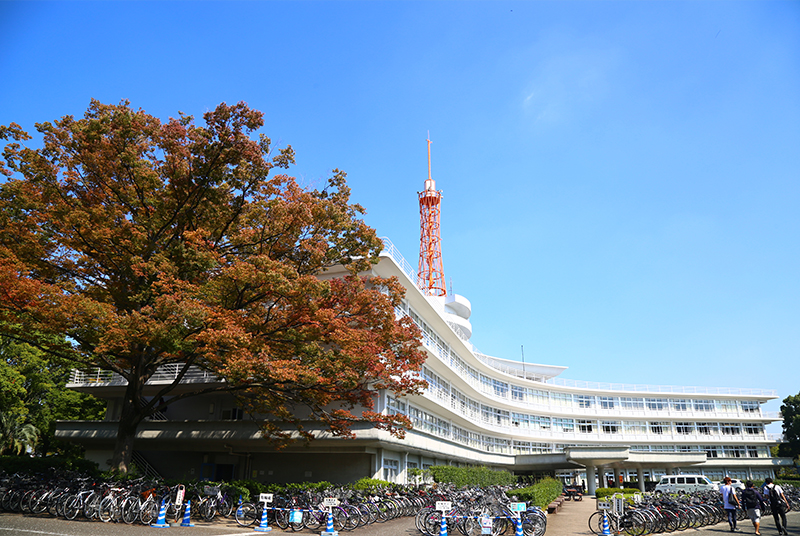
[430, 277]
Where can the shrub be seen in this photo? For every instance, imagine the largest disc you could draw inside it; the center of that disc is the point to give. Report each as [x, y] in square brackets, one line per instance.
[540, 494]
[25, 464]
[368, 484]
[602, 493]
[470, 476]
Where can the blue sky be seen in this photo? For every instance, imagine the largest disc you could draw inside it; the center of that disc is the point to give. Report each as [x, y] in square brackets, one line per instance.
[621, 179]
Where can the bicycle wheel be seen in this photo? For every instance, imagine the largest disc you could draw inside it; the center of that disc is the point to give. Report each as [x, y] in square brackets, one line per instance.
[314, 519]
[596, 523]
[282, 519]
[432, 523]
[246, 514]
[208, 509]
[225, 507]
[72, 507]
[149, 511]
[25, 502]
[106, 509]
[40, 502]
[533, 524]
[130, 509]
[91, 505]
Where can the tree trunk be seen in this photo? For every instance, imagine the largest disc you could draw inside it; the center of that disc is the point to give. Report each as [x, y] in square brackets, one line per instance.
[129, 421]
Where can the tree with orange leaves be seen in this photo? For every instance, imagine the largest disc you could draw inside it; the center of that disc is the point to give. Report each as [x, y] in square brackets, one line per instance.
[129, 244]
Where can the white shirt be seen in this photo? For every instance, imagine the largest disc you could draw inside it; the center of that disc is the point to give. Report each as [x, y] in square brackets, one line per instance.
[726, 496]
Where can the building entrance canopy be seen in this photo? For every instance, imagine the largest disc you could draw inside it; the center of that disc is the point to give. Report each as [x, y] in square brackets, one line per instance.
[617, 458]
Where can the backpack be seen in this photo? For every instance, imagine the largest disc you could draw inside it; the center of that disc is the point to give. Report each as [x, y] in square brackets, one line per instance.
[749, 498]
[775, 501]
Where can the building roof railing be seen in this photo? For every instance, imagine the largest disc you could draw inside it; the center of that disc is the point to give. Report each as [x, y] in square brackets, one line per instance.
[666, 389]
[528, 372]
[390, 250]
[164, 374]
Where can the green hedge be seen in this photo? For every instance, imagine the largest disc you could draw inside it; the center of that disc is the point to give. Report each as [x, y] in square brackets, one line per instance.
[541, 494]
[470, 476]
[25, 464]
[250, 489]
[368, 484]
[601, 493]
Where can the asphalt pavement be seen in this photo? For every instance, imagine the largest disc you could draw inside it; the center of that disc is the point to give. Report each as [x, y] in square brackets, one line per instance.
[571, 520]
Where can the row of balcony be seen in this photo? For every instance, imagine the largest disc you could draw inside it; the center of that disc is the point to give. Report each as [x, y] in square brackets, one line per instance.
[598, 432]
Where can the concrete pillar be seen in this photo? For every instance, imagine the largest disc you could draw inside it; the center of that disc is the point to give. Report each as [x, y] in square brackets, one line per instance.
[616, 478]
[670, 470]
[404, 467]
[601, 476]
[640, 475]
[377, 469]
[591, 485]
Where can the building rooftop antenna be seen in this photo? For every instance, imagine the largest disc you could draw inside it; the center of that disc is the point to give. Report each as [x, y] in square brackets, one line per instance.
[430, 275]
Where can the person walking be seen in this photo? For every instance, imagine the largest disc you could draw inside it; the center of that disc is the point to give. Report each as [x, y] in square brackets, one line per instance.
[779, 505]
[753, 503]
[729, 501]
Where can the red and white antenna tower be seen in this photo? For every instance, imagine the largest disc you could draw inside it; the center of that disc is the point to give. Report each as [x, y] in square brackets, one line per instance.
[430, 277]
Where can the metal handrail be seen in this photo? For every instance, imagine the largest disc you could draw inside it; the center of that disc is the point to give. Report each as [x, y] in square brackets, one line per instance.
[164, 373]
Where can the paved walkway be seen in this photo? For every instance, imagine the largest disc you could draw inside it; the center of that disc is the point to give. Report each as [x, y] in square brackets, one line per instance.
[573, 519]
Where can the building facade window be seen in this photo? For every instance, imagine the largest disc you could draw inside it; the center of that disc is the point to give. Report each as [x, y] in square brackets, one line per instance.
[684, 427]
[730, 428]
[659, 427]
[734, 452]
[753, 428]
[680, 404]
[607, 402]
[563, 425]
[610, 427]
[750, 406]
[635, 427]
[395, 406]
[727, 406]
[704, 405]
[585, 426]
[631, 403]
[656, 404]
[500, 388]
[561, 399]
[707, 428]
[390, 470]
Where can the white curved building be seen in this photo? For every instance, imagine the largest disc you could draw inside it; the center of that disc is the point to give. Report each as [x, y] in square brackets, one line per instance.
[477, 409]
[487, 410]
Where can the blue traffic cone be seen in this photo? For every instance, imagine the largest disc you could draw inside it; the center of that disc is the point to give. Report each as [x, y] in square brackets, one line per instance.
[329, 530]
[239, 507]
[161, 522]
[443, 526]
[187, 515]
[518, 523]
[606, 530]
[262, 526]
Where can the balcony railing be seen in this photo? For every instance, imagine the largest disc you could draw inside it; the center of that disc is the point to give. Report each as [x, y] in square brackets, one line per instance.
[164, 374]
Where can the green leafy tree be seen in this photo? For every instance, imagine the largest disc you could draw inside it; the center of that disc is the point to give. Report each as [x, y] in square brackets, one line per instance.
[130, 244]
[16, 437]
[790, 411]
[32, 387]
